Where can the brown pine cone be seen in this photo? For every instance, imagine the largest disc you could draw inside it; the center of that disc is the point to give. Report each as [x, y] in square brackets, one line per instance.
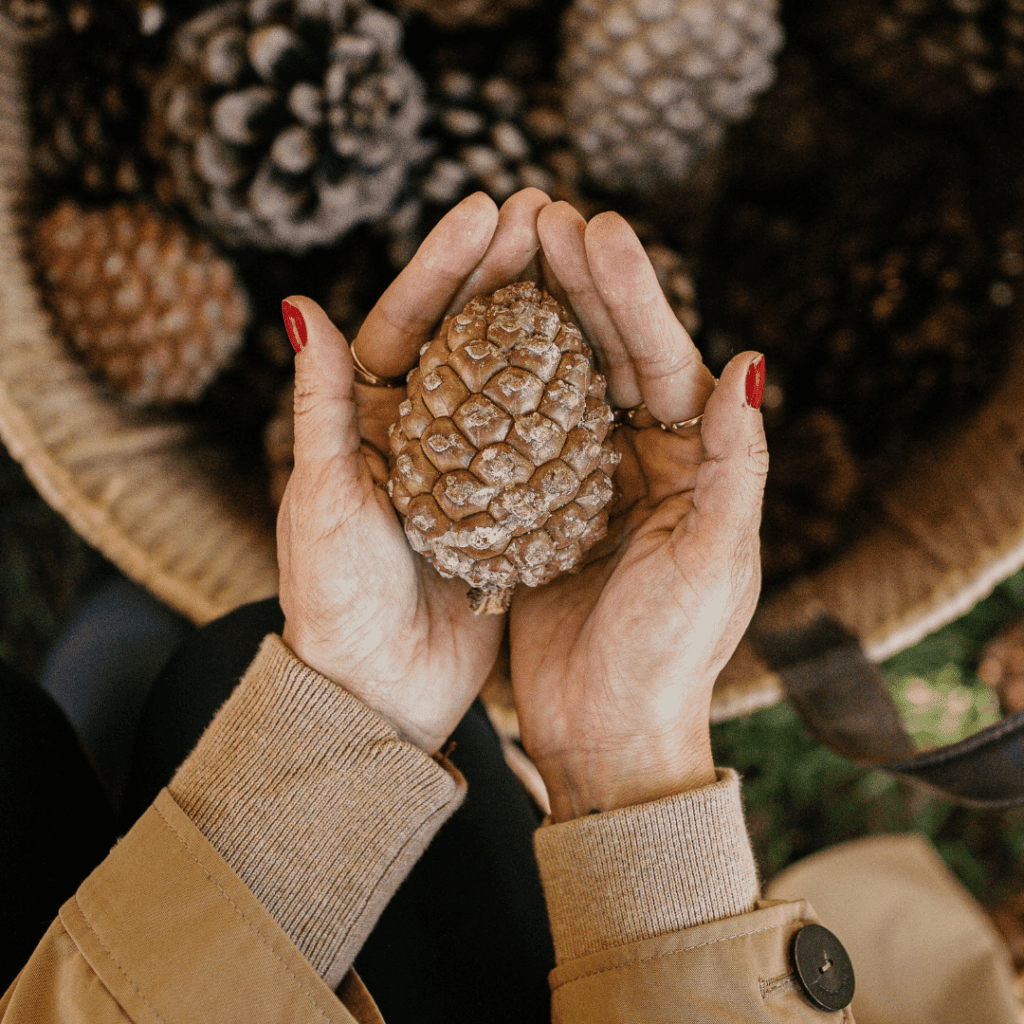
[142, 298]
[279, 443]
[454, 15]
[501, 461]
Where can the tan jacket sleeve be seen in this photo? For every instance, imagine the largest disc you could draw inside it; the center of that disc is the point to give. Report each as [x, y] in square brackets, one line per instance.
[163, 931]
[655, 916]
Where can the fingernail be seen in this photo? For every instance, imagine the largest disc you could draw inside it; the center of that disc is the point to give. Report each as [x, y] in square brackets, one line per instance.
[294, 325]
[755, 383]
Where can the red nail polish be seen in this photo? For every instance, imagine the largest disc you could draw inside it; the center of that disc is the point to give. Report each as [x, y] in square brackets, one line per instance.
[755, 383]
[294, 325]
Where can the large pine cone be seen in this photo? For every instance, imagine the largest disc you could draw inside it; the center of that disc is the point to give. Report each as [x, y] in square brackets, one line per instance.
[143, 299]
[286, 123]
[501, 460]
[651, 85]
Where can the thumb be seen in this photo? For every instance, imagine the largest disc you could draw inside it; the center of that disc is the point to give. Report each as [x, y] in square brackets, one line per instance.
[325, 415]
[729, 486]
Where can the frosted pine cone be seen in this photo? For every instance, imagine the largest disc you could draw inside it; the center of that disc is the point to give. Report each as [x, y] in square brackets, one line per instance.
[501, 460]
[651, 85]
[142, 298]
[478, 138]
[286, 123]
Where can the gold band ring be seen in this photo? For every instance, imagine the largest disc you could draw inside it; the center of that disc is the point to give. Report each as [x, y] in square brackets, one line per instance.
[369, 378]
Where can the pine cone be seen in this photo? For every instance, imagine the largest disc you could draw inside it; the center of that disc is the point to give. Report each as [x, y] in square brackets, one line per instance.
[460, 14]
[143, 299]
[889, 305]
[501, 459]
[279, 444]
[935, 56]
[651, 85]
[284, 124]
[89, 84]
[814, 480]
[478, 140]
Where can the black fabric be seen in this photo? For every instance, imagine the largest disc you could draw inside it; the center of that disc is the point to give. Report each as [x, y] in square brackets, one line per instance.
[55, 822]
[843, 700]
[466, 937]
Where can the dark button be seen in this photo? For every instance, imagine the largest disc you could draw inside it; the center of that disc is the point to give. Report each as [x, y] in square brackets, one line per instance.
[823, 967]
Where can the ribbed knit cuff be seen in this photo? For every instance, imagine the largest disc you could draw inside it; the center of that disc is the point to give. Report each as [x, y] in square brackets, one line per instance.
[314, 802]
[639, 872]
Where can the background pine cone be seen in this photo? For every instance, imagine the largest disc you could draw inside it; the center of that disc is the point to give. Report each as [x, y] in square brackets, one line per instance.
[480, 133]
[460, 14]
[933, 56]
[284, 124]
[501, 460]
[651, 85]
[142, 298]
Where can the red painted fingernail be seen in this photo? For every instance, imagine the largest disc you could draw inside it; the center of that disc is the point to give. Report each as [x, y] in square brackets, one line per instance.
[755, 383]
[294, 325]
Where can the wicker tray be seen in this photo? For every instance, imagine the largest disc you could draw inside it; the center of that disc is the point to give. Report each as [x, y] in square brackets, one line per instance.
[151, 495]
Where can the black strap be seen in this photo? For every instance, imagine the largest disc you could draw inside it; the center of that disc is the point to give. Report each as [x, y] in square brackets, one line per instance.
[843, 700]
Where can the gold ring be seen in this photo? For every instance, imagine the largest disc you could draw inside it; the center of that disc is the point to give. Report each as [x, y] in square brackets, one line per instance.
[625, 417]
[369, 378]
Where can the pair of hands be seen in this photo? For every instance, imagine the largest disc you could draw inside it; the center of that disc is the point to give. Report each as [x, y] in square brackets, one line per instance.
[612, 667]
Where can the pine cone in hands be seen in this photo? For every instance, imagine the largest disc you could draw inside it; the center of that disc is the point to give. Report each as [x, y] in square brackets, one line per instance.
[286, 122]
[651, 85]
[143, 299]
[501, 460]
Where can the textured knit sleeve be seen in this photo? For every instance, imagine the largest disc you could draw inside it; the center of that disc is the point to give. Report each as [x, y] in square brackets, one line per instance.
[314, 802]
[633, 874]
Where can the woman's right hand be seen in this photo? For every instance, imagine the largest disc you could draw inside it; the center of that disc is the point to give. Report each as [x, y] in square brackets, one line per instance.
[361, 607]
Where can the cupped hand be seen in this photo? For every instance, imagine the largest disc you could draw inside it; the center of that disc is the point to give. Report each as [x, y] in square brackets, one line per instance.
[361, 607]
[613, 667]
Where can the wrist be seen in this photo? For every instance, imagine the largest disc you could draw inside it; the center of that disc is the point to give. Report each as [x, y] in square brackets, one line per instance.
[638, 776]
[407, 731]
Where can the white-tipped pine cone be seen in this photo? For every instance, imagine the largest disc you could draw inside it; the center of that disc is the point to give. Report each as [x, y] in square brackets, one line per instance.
[652, 85]
[143, 299]
[286, 122]
[501, 460]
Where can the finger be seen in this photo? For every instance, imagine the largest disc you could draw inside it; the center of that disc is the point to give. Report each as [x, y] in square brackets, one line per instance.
[407, 313]
[325, 420]
[729, 486]
[512, 250]
[562, 230]
[672, 377]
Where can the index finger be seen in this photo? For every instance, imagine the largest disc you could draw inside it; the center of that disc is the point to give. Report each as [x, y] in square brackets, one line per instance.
[415, 302]
[673, 379]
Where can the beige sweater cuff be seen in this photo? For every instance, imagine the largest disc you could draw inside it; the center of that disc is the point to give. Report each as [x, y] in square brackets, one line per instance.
[314, 802]
[639, 872]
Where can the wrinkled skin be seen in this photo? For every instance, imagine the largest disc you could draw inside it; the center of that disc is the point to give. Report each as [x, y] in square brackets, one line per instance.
[612, 667]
